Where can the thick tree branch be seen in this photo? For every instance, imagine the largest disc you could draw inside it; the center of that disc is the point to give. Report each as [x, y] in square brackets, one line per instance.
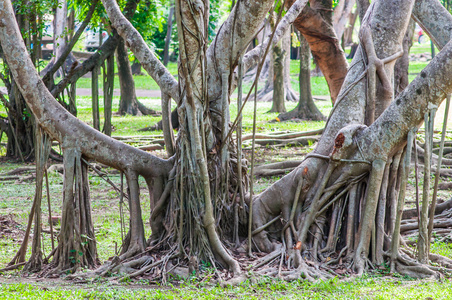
[71, 44]
[254, 56]
[98, 58]
[135, 42]
[58, 122]
[430, 87]
[315, 24]
[435, 20]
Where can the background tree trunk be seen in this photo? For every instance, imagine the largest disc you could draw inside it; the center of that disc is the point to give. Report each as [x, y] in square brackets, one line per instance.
[168, 36]
[306, 108]
[348, 33]
[340, 19]
[109, 80]
[128, 102]
[279, 70]
[280, 53]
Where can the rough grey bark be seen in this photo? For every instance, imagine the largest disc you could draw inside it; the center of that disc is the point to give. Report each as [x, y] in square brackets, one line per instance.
[386, 45]
[435, 20]
[68, 130]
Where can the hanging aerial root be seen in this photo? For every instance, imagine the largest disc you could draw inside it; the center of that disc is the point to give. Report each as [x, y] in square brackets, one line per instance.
[370, 208]
[394, 248]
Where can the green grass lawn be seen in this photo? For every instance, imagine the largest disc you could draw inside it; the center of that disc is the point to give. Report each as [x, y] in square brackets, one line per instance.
[366, 287]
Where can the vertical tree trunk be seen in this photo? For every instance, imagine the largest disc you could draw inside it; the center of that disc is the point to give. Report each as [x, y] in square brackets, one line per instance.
[109, 77]
[348, 33]
[279, 91]
[194, 202]
[340, 21]
[95, 97]
[60, 25]
[306, 108]
[315, 24]
[169, 24]
[128, 101]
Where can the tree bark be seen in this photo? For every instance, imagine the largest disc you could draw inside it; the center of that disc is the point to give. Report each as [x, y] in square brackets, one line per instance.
[279, 91]
[401, 66]
[315, 24]
[169, 24]
[109, 77]
[306, 108]
[348, 164]
[341, 17]
[128, 100]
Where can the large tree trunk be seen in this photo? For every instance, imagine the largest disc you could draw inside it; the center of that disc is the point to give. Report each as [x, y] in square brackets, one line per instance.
[321, 179]
[193, 198]
[315, 24]
[306, 108]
